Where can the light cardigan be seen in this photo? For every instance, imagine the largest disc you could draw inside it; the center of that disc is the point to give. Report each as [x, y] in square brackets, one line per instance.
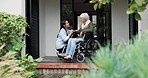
[62, 38]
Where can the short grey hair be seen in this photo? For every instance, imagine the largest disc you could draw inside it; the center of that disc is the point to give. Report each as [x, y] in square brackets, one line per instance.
[84, 15]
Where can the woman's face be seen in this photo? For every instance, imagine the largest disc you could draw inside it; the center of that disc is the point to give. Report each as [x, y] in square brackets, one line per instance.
[83, 20]
[67, 25]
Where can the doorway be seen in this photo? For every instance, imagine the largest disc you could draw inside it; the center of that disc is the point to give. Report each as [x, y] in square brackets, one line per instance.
[71, 10]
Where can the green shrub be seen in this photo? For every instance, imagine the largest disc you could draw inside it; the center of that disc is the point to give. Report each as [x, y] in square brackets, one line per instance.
[128, 62]
[12, 35]
[28, 63]
[11, 67]
[12, 32]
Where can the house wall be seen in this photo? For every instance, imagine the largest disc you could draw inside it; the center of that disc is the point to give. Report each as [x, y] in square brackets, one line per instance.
[49, 26]
[143, 24]
[13, 6]
[120, 22]
[42, 28]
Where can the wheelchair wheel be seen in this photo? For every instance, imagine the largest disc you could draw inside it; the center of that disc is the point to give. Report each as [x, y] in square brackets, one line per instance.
[92, 46]
[80, 57]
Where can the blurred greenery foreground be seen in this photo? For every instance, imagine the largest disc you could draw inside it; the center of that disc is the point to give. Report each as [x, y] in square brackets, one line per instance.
[12, 36]
[130, 61]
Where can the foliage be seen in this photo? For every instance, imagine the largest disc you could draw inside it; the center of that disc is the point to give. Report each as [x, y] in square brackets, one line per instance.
[12, 32]
[28, 63]
[12, 35]
[95, 30]
[128, 62]
[135, 6]
[11, 67]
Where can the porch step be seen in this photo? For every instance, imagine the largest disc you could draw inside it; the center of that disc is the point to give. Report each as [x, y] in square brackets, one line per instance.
[51, 67]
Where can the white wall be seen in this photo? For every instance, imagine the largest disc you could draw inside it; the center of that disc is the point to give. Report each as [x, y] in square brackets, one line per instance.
[13, 6]
[120, 22]
[49, 26]
[143, 24]
[42, 28]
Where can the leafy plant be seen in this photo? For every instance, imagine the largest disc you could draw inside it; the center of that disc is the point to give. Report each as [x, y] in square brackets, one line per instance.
[12, 35]
[12, 32]
[28, 63]
[11, 67]
[135, 6]
[128, 62]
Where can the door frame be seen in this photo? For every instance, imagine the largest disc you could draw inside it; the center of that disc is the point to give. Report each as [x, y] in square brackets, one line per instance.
[32, 14]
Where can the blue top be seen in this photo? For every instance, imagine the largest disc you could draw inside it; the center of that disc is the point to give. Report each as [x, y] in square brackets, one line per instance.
[62, 38]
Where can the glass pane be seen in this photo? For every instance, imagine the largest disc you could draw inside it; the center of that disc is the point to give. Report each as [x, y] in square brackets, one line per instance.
[67, 11]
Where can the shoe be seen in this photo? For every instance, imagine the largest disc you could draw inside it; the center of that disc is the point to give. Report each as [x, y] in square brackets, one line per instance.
[68, 57]
[59, 54]
[62, 55]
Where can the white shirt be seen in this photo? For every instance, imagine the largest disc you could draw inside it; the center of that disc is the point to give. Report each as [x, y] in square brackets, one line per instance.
[86, 24]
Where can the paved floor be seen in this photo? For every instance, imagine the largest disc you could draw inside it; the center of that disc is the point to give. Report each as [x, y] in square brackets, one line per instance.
[55, 59]
[51, 59]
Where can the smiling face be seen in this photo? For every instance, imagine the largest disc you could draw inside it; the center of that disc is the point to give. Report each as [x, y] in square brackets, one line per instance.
[83, 20]
[67, 25]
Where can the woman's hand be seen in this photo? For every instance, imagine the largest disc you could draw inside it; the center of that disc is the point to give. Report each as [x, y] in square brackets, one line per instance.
[71, 32]
[81, 33]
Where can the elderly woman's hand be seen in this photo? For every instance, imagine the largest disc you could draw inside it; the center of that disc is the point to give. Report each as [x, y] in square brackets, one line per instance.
[81, 33]
[71, 32]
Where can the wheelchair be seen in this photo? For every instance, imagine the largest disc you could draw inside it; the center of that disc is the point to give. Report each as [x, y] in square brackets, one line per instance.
[83, 49]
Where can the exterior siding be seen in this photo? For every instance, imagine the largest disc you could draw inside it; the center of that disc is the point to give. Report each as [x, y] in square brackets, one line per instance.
[120, 22]
[49, 26]
[13, 6]
[143, 24]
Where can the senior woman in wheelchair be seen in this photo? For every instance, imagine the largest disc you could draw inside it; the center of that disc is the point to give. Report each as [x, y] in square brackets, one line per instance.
[63, 36]
[86, 26]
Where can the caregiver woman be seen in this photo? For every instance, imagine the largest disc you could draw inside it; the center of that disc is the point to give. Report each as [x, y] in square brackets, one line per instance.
[63, 36]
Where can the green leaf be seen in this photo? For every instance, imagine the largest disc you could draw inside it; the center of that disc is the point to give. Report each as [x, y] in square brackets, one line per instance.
[30, 58]
[96, 6]
[141, 8]
[133, 7]
[100, 5]
[137, 17]
[39, 59]
[129, 11]
[139, 2]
